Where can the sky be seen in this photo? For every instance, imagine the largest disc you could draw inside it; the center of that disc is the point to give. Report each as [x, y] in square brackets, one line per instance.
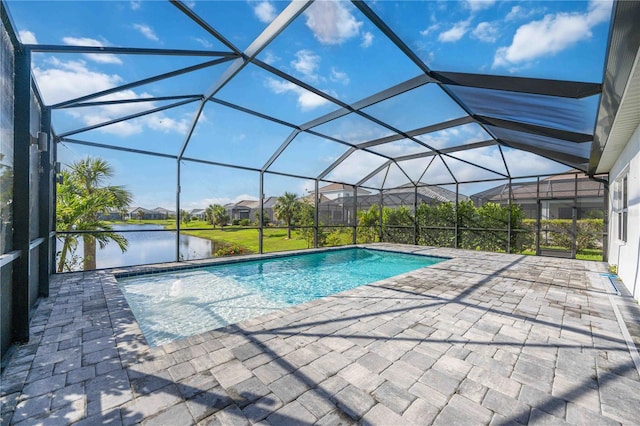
[333, 47]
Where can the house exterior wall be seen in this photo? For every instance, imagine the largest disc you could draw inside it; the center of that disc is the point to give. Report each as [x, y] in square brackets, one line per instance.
[626, 255]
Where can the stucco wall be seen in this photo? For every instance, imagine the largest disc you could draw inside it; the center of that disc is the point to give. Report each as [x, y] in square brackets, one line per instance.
[626, 255]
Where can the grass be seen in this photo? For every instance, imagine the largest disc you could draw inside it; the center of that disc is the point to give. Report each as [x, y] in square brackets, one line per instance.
[274, 239]
[247, 238]
[590, 254]
[584, 254]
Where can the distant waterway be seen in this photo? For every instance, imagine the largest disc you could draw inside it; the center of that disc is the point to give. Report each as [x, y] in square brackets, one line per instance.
[145, 247]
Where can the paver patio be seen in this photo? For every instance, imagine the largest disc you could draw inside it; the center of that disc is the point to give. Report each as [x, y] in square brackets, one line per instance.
[483, 338]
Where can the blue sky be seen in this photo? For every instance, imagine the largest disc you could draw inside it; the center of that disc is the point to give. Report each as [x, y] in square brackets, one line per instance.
[331, 46]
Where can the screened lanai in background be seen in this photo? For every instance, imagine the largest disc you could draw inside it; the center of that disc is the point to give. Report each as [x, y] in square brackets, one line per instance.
[382, 135]
[285, 104]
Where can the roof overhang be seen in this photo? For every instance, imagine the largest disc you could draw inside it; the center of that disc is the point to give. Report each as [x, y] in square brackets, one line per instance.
[619, 111]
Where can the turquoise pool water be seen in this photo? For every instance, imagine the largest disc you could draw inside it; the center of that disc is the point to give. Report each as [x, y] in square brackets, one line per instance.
[178, 304]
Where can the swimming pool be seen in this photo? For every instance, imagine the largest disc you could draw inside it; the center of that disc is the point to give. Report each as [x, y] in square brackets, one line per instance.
[178, 304]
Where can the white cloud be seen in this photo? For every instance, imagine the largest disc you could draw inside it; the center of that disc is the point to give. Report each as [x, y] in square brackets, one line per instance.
[306, 100]
[146, 31]
[308, 185]
[520, 13]
[103, 58]
[431, 28]
[205, 43]
[488, 157]
[270, 58]
[239, 137]
[455, 33]
[331, 22]
[309, 100]
[515, 13]
[367, 39]
[339, 76]
[454, 136]
[68, 80]
[61, 81]
[123, 128]
[399, 148]
[164, 124]
[424, 51]
[135, 4]
[476, 5]
[306, 63]
[27, 37]
[429, 57]
[355, 130]
[356, 166]
[523, 163]
[265, 11]
[552, 34]
[486, 32]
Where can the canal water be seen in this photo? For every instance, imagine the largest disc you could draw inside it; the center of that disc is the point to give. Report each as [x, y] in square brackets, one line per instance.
[149, 244]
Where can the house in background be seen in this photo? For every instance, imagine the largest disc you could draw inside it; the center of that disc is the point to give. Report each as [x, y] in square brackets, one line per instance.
[426, 193]
[198, 214]
[159, 213]
[267, 207]
[244, 209]
[555, 197]
[113, 214]
[341, 210]
[337, 190]
[250, 209]
[164, 213]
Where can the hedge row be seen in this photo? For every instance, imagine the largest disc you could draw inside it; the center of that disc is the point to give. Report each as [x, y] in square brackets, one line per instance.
[479, 228]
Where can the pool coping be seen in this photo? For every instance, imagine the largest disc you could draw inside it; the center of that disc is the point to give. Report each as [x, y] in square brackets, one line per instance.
[137, 270]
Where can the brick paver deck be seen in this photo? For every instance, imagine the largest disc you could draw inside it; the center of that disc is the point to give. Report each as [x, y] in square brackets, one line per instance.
[482, 338]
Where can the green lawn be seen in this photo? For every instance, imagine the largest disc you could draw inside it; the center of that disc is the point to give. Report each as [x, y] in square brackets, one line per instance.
[586, 254]
[589, 254]
[274, 239]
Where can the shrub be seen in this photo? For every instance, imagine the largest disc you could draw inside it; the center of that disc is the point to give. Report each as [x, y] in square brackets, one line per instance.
[589, 233]
[338, 237]
[479, 228]
[368, 225]
[233, 250]
[235, 222]
[265, 222]
[245, 222]
[436, 224]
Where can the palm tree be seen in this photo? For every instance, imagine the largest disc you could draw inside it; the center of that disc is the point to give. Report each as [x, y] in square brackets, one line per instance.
[286, 209]
[208, 214]
[220, 216]
[81, 198]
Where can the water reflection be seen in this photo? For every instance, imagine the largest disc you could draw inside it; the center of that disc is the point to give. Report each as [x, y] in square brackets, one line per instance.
[151, 247]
